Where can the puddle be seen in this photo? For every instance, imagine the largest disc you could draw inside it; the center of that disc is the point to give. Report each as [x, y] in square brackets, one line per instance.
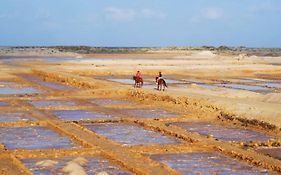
[57, 59]
[14, 117]
[80, 115]
[127, 134]
[196, 81]
[4, 82]
[251, 80]
[51, 103]
[122, 80]
[108, 101]
[25, 90]
[223, 132]
[206, 86]
[51, 85]
[272, 85]
[150, 113]
[273, 152]
[171, 81]
[3, 103]
[244, 87]
[206, 163]
[33, 138]
[93, 166]
[127, 80]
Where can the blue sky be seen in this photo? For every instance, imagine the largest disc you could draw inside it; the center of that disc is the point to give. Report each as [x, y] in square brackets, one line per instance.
[252, 23]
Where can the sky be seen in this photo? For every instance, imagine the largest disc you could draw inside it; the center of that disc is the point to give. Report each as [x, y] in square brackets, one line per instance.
[141, 23]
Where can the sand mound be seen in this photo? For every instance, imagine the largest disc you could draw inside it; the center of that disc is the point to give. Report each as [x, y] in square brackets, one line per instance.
[102, 173]
[80, 161]
[272, 98]
[73, 168]
[241, 57]
[204, 54]
[46, 163]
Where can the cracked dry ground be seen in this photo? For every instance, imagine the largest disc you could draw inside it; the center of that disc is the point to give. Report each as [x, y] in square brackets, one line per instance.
[58, 117]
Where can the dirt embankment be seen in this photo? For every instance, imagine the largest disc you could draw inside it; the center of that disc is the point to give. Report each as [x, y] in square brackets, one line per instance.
[198, 107]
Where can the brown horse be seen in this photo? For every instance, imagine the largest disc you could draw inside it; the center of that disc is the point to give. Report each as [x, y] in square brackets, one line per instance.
[161, 84]
[138, 82]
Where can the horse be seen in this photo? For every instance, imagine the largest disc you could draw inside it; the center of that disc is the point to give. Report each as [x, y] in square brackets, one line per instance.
[161, 84]
[138, 82]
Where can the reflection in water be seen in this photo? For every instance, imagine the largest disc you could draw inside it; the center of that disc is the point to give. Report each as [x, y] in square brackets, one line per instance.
[33, 138]
[51, 103]
[130, 134]
[92, 166]
[24, 90]
[206, 163]
[223, 132]
[80, 115]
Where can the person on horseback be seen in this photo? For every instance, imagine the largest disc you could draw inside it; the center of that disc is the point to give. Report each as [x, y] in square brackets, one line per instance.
[160, 82]
[159, 77]
[138, 79]
[138, 74]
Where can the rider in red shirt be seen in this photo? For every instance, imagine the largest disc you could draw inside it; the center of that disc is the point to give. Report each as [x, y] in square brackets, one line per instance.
[138, 74]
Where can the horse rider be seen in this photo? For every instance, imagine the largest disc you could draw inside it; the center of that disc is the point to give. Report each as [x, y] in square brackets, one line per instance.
[138, 75]
[159, 77]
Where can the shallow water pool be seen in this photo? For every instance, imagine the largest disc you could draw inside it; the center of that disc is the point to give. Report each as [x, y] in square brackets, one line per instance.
[3, 103]
[14, 117]
[93, 166]
[51, 85]
[206, 163]
[37, 137]
[272, 85]
[108, 101]
[127, 134]
[150, 113]
[244, 87]
[223, 132]
[81, 115]
[24, 90]
[52, 103]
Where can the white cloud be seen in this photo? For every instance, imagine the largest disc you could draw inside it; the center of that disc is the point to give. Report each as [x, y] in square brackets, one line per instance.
[121, 14]
[209, 14]
[213, 13]
[264, 7]
[149, 13]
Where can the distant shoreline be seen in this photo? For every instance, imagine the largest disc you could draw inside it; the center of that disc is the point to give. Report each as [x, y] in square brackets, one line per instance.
[263, 52]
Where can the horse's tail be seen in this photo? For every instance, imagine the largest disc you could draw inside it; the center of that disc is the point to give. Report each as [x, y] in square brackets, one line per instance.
[134, 77]
[141, 80]
[164, 82]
